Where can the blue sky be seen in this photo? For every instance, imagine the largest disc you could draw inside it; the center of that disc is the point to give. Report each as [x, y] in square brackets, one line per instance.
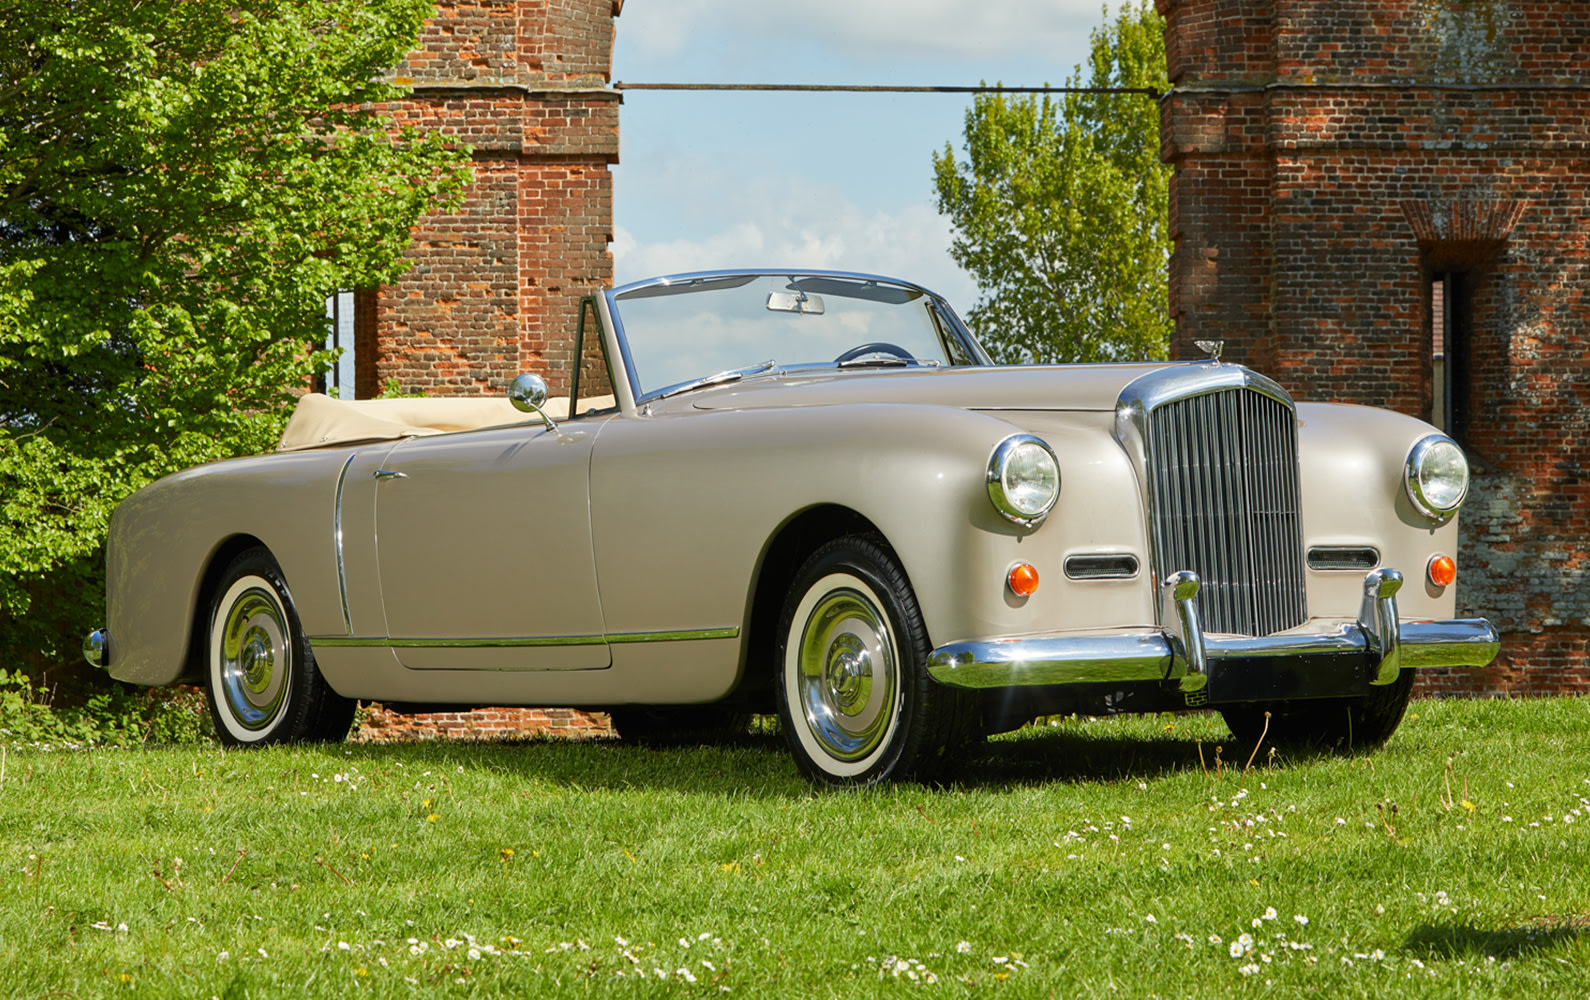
[812, 180]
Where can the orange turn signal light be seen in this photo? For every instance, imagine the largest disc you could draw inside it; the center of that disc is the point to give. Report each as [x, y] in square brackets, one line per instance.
[1442, 570]
[1023, 579]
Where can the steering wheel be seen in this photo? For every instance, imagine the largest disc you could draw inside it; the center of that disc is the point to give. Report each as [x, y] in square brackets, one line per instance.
[876, 347]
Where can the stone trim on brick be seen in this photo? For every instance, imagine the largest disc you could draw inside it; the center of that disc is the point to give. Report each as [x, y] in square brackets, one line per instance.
[1434, 220]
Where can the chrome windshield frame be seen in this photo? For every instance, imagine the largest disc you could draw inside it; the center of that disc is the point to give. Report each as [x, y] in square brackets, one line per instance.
[938, 305]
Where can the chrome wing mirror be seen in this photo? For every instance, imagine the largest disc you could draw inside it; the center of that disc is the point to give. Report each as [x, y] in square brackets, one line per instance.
[528, 394]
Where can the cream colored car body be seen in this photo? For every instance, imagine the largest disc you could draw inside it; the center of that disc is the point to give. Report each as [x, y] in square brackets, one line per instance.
[625, 556]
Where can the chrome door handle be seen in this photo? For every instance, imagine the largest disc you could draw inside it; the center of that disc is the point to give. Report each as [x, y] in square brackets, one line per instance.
[389, 474]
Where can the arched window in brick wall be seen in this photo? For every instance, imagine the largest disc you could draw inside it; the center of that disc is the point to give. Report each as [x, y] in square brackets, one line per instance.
[1459, 242]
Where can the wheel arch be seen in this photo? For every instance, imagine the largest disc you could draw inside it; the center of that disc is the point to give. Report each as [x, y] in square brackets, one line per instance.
[789, 546]
[195, 669]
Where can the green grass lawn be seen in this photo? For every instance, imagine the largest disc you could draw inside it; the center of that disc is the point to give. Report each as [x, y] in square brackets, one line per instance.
[1084, 859]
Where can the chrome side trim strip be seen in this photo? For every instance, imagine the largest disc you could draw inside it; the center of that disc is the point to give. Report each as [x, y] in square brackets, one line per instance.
[689, 634]
[336, 530]
[507, 641]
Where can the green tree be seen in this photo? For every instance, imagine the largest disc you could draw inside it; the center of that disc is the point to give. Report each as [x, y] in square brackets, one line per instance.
[1060, 209]
[181, 185]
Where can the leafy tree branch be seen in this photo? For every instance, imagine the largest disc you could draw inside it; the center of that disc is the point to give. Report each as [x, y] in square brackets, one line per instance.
[181, 186]
[1060, 209]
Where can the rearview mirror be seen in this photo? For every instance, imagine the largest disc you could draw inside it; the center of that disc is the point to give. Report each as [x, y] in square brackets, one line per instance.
[795, 302]
[528, 393]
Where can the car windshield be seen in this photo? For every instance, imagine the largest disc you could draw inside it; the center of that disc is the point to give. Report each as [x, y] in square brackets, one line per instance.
[718, 328]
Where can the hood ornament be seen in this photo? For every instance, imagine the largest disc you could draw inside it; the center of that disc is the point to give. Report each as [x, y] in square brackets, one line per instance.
[1213, 348]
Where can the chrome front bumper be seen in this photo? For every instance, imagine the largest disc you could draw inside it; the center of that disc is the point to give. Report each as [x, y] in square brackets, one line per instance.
[1322, 659]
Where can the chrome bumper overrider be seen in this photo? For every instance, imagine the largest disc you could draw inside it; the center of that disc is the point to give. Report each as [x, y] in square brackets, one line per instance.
[1370, 651]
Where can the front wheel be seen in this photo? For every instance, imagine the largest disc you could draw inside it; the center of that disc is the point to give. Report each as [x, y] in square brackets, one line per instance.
[854, 698]
[1327, 723]
[265, 686]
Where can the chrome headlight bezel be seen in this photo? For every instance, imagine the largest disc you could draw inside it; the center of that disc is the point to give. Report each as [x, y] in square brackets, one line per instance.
[1418, 456]
[1000, 487]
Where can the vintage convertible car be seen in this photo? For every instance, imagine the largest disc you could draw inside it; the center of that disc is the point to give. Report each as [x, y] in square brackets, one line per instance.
[809, 492]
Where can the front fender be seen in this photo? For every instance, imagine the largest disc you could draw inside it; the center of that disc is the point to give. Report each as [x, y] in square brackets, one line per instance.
[1352, 461]
[684, 504]
[163, 538]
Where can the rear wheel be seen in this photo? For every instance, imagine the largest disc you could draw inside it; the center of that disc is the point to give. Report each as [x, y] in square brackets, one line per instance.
[854, 698]
[265, 686]
[1326, 723]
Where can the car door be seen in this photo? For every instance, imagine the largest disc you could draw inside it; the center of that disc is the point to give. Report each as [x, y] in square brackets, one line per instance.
[483, 541]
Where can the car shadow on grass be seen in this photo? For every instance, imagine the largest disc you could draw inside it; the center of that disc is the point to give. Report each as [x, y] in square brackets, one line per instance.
[1468, 941]
[753, 765]
[759, 763]
[1073, 758]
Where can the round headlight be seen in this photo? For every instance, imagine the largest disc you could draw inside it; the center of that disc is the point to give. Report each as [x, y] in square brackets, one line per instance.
[1023, 479]
[1438, 476]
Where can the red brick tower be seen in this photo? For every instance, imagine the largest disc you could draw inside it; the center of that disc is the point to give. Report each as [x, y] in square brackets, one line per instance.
[494, 287]
[1388, 202]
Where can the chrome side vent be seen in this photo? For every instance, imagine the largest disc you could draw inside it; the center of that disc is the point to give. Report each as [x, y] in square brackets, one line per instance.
[1359, 558]
[1221, 469]
[1102, 566]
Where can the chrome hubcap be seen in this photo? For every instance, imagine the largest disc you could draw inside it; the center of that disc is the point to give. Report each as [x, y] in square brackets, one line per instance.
[846, 674]
[255, 658]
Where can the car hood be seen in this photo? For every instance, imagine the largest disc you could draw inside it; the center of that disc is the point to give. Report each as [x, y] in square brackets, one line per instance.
[1028, 387]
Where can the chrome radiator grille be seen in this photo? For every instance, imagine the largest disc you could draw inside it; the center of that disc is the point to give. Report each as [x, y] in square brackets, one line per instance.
[1222, 471]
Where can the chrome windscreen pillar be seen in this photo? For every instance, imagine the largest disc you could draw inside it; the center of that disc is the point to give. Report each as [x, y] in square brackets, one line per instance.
[1377, 616]
[1180, 588]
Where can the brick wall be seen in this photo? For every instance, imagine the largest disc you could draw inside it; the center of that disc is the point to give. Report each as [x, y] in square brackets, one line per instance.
[494, 286]
[1330, 159]
[378, 724]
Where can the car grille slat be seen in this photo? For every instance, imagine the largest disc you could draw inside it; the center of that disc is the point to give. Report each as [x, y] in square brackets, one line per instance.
[1222, 473]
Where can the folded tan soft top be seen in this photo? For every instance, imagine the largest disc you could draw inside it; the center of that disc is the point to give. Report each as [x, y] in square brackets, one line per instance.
[320, 421]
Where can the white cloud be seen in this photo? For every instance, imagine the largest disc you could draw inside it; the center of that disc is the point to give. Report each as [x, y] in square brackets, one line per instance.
[911, 244]
[812, 181]
[960, 27]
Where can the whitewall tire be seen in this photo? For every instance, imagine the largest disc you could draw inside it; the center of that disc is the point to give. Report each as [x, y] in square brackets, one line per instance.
[264, 684]
[855, 702]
